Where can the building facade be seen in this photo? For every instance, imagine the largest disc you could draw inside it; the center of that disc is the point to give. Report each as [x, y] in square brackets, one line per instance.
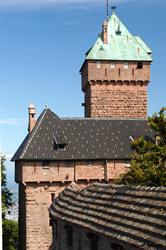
[58, 151]
[109, 217]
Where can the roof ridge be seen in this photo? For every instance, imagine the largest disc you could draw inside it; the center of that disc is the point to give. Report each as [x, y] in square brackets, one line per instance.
[109, 185]
[104, 119]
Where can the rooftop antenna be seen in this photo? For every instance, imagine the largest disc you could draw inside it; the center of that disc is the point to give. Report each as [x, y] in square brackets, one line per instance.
[113, 8]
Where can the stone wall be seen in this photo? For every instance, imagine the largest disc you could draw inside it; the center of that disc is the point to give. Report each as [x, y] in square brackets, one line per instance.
[37, 223]
[39, 184]
[115, 89]
[121, 71]
[68, 171]
[80, 239]
[117, 100]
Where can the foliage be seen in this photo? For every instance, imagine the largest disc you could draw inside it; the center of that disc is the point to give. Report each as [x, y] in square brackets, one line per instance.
[10, 234]
[10, 228]
[7, 201]
[148, 164]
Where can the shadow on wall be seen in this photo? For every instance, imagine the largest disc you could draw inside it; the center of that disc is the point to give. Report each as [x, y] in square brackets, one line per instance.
[51, 247]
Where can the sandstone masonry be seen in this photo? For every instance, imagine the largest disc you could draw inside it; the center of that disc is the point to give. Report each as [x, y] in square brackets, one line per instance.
[39, 185]
[118, 92]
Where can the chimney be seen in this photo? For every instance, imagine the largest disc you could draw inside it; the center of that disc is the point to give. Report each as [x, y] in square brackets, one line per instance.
[32, 120]
[105, 32]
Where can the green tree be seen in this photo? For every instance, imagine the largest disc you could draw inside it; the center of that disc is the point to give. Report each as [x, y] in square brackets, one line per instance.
[9, 227]
[7, 201]
[10, 234]
[148, 164]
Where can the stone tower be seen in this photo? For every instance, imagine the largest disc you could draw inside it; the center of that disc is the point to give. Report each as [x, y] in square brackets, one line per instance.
[116, 73]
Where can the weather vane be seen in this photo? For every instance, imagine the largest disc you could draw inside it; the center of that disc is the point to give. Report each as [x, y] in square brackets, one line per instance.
[107, 8]
[113, 8]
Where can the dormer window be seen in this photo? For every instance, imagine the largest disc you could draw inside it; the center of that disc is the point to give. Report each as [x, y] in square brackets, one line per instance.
[98, 65]
[59, 145]
[59, 142]
[118, 31]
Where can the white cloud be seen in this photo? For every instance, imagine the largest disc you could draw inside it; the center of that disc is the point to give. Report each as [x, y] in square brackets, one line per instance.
[11, 121]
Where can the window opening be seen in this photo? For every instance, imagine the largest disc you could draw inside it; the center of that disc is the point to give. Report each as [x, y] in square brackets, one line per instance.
[119, 72]
[112, 65]
[93, 241]
[46, 164]
[132, 72]
[60, 146]
[125, 65]
[116, 246]
[139, 65]
[90, 163]
[98, 65]
[52, 196]
[69, 235]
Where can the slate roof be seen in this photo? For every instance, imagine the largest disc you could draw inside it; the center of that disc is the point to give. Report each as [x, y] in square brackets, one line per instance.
[82, 138]
[135, 215]
[121, 45]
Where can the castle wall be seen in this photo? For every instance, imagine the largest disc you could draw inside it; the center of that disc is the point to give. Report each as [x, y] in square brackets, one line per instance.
[115, 89]
[80, 239]
[121, 71]
[68, 171]
[118, 100]
[39, 185]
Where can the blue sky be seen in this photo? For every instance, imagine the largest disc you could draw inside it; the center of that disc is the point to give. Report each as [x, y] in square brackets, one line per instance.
[42, 47]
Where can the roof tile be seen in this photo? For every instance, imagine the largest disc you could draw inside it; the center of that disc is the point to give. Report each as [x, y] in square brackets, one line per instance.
[83, 138]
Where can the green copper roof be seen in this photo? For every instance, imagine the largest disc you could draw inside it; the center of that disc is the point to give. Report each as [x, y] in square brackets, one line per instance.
[122, 45]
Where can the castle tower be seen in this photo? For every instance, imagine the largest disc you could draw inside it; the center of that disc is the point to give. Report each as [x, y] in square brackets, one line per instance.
[116, 73]
[58, 151]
